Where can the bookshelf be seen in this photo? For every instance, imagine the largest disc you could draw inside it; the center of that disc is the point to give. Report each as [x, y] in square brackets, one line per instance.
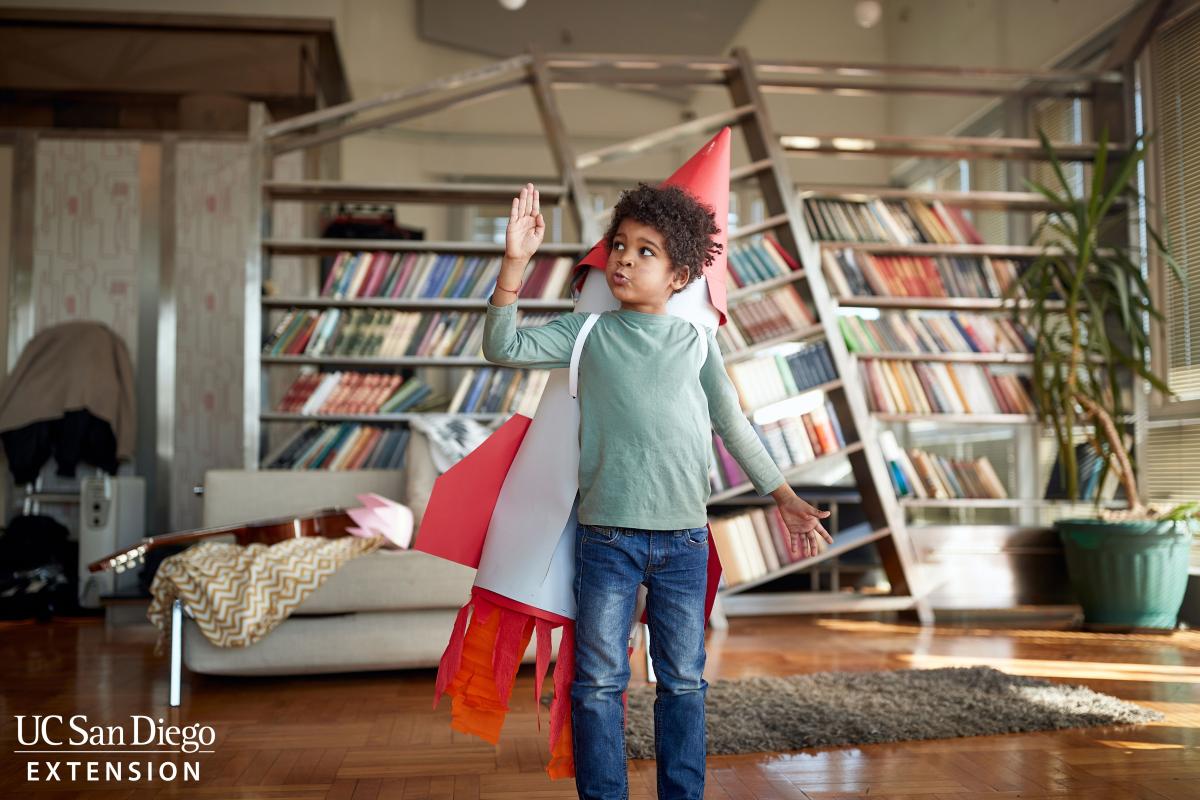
[903, 328]
[875, 248]
[942, 529]
[420, 306]
[748, 83]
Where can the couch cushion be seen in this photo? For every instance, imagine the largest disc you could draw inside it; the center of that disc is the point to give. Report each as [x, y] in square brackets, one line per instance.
[419, 475]
[233, 496]
[389, 580]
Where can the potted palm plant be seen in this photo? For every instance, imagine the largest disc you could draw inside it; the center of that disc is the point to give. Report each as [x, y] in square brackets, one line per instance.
[1088, 301]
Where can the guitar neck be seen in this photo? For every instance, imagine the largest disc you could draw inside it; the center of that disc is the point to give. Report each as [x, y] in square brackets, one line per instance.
[327, 522]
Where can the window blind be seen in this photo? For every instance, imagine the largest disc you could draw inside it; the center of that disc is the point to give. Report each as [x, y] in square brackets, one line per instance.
[1172, 462]
[1175, 84]
[1063, 120]
[988, 175]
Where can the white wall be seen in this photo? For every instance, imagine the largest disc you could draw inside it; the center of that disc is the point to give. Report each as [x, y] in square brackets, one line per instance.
[820, 30]
[382, 52]
[1030, 34]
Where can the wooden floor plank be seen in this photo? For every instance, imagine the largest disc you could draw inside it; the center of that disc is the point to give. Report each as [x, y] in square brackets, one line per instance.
[391, 789]
[375, 736]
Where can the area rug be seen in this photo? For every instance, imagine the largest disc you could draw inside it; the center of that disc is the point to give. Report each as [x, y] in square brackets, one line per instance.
[768, 714]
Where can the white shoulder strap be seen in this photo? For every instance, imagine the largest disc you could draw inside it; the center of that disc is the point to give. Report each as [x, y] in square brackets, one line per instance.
[577, 351]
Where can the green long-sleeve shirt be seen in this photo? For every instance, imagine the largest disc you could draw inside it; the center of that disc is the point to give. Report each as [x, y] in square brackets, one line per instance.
[647, 409]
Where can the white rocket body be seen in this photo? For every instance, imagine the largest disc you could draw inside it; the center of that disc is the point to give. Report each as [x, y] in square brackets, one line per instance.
[529, 552]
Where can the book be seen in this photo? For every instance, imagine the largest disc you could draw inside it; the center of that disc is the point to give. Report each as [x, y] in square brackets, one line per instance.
[766, 545]
[924, 474]
[356, 275]
[860, 274]
[345, 393]
[341, 447]
[903, 221]
[769, 314]
[1089, 487]
[919, 332]
[753, 543]
[907, 387]
[498, 390]
[384, 333]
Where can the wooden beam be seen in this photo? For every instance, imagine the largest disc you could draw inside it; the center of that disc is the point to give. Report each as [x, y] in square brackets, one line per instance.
[560, 146]
[458, 80]
[856, 89]
[640, 144]
[1135, 33]
[948, 147]
[870, 470]
[767, 67]
[329, 190]
[331, 134]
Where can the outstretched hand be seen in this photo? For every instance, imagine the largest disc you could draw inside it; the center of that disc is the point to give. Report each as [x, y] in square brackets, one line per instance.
[803, 522]
[526, 226]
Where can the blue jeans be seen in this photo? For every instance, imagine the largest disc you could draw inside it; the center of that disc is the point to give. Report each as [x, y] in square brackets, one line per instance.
[610, 562]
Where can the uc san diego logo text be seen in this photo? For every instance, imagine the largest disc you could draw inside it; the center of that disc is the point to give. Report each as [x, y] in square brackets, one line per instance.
[70, 749]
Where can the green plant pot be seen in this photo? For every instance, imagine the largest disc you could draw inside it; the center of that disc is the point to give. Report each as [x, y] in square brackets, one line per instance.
[1128, 573]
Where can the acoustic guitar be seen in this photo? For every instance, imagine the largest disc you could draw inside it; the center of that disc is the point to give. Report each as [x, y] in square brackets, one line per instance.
[328, 522]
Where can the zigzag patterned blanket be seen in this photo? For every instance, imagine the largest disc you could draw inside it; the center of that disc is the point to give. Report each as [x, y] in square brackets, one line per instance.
[239, 593]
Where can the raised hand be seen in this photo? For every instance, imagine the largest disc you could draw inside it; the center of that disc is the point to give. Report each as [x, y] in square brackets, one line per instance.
[803, 522]
[526, 226]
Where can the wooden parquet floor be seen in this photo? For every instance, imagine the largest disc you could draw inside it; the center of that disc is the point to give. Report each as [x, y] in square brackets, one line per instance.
[374, 736]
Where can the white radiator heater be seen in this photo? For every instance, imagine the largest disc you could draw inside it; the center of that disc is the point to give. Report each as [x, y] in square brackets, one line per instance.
[112, 514]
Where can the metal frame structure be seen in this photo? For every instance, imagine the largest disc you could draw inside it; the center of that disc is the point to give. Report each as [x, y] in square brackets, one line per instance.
[748, 83]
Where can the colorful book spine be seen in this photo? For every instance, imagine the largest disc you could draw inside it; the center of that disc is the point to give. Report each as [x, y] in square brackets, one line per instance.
[914, 387]
[343, 446]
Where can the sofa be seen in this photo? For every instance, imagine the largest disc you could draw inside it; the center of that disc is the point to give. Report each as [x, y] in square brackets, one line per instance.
[389, 609]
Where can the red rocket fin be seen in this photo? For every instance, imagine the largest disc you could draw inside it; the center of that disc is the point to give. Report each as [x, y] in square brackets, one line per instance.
[714, 575]
[455, 522]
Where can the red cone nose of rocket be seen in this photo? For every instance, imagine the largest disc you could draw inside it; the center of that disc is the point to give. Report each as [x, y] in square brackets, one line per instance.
[706, 177]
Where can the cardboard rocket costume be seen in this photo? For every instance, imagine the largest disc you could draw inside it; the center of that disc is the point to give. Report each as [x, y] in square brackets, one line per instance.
[509, 509]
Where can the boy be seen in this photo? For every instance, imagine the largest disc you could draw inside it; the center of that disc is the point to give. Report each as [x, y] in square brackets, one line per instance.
[645, 447]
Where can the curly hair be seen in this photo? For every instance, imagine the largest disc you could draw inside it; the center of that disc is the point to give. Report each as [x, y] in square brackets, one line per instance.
[686, 224]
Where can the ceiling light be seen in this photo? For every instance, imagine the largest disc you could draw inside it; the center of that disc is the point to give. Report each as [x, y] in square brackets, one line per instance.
[800, 142]
[867, 13]
[850, 143]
